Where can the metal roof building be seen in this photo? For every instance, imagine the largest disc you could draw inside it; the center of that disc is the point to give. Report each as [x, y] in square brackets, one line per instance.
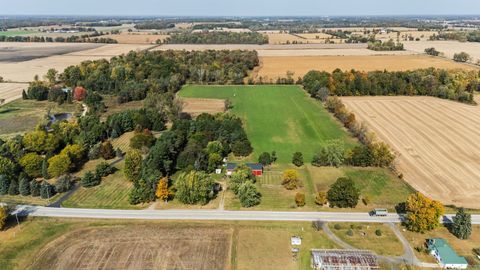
[343, 259]
[445, 255]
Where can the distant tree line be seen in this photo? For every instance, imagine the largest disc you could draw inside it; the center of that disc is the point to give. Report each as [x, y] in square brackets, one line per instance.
[389, 45]
[87, 38]
[217, 37]
[455, 85]
[157, 25]
[462, 36]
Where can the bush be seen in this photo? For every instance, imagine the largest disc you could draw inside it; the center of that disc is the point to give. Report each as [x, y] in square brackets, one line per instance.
[64, 183]
[106, 150]
[104, 169]
[300, 199]
[337, 226]
[3, 216]
[378, 232]
[290, 179]
[90, 180]
[350, 232]
[321, 198]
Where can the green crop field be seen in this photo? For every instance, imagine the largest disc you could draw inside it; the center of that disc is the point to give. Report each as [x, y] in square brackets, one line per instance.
[277, 118]
[16, 33]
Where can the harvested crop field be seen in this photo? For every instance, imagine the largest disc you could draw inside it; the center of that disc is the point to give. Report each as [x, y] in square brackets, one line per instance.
[20, 51]
[435, 140]
[196, 106]
[11, 91]
[273, 67]
[140, 38]
[24, 71]
[139, 247]
[449, 48]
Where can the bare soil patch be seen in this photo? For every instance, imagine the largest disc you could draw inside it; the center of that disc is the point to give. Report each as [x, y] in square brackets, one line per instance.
[136, 38]
[11, 91]
[274, 67]
[435, 140]
[138, 247]
[196, 106]
[449, 48]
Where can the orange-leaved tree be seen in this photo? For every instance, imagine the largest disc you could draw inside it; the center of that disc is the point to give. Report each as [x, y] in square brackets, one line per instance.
[423, 214]
[162, 191]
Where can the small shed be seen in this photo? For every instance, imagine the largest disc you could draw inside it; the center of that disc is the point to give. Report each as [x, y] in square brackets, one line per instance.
[296, 241]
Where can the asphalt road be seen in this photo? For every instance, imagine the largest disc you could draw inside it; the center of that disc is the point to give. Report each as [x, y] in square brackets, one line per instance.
[39, 211]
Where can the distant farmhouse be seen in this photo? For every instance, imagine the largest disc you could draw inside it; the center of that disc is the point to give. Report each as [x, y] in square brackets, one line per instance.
[445, 255]
[256, 168]
[343, 259]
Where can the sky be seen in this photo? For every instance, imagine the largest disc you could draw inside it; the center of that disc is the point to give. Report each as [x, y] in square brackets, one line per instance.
[239, 7]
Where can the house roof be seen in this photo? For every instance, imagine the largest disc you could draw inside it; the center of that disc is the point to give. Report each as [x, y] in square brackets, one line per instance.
[255, 166]
[252, 166]
[445, 251]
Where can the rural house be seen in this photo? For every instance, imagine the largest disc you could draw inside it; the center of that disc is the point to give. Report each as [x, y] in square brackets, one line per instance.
[256, 168]
[445, 255]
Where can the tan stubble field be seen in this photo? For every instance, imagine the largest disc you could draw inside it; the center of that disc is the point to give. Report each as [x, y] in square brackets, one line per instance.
[436, 141]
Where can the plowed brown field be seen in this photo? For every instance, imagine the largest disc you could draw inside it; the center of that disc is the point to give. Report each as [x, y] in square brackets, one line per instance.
[274, 67]
[142, 247]
[196, 106]
[436, 140]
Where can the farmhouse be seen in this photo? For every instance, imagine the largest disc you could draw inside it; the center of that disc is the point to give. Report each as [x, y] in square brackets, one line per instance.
[256, 168]
[445, 255]
[343, 259]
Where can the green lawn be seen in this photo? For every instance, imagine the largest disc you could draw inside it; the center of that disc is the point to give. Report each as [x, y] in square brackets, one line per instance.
[16, 33]
[277, 118]
[112, 193]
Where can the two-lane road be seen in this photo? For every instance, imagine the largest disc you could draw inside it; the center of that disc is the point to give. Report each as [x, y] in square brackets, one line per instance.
[39, 211]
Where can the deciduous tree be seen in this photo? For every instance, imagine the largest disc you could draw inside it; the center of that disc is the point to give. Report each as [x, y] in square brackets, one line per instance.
[343, 193]
[291, 179]
[422, 213]
[194, 187]
[133, 165]
[248, 194]
[59, 165]
[162, 191]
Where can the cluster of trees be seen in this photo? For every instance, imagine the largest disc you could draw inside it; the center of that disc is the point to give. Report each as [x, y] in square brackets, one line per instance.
[432, 51]
[461, 57]
[160, 71]
[462, 36]
[87, 38]
[242, 183]
[371, 153]
[360, 39]
[389, 45]
[455, 85]
[266, 158]
[190, 145]
[217, 37]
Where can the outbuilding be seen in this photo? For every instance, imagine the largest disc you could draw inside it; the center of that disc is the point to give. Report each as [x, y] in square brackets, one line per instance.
[445, 255]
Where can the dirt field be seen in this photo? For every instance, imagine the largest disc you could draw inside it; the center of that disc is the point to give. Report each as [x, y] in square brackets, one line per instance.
[141, 247]
[196, 106]
[25, 71]
[273, 67]
[449, 48]
[136, 38]
[283, 38]
[16, 51]
[435, 140]
[11, 91]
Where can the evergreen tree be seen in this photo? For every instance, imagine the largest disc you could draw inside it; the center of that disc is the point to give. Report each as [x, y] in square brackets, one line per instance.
[90, 179]
[46, 190]
[34, 188]
[13, 188]
[297, 159]
[4, 184]
[265, 159]
[462, 224]
[45, 169]
[24, 94]
[24, 187]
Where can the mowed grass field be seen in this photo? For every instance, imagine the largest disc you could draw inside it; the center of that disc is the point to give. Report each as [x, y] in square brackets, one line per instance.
[49, 243]
[277, 118]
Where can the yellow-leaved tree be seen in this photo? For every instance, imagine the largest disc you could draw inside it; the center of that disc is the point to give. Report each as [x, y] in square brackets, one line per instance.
[423, 214]
[291, 179]
[162, 191]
